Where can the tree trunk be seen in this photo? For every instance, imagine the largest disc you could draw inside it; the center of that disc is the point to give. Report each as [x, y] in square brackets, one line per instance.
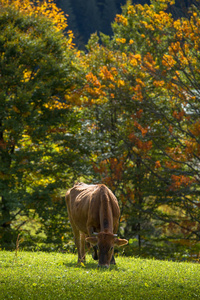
[5, 214]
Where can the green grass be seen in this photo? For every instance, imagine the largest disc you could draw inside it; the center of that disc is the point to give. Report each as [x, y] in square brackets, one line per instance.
[57, 276]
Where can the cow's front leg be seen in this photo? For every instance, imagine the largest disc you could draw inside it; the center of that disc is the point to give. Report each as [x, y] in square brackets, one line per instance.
[95, 254]
[113, 260]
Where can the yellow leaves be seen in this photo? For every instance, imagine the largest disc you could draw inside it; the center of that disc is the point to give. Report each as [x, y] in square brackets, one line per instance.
[138, 57]
[174, 48]
[177, 24]
[70, 39]
[91, 78]
[121, 19]
[111, 86]
[140, 82]
[149, 18]
[105, 74]
[39, 180]
[50, 10]
[99, 84]
[147, 26]
[120, 83]
[120, 40]
[163, 4]
[131, 10]
[168, 61]
[55, 103]
[94, 88]
[149, 63]
[27, 75]
[82, 265]
[46, 8]
[158, 83]
[134, 62]
[131, 42]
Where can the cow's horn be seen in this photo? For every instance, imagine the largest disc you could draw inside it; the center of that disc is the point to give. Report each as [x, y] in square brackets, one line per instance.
[95, 233]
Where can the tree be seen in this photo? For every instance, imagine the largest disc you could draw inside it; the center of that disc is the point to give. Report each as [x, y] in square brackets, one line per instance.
[142, 93]
[170, 64]
[37, 123]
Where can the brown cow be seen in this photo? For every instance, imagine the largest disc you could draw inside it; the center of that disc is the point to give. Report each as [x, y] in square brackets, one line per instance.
[94, 210]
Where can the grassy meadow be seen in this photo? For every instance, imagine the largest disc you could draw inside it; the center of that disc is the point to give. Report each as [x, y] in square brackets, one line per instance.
[39, 275]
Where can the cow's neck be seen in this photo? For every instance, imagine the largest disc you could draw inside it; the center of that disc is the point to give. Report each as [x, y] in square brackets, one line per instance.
[106, 217]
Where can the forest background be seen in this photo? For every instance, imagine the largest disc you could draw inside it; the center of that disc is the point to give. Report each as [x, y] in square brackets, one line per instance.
[122, 109]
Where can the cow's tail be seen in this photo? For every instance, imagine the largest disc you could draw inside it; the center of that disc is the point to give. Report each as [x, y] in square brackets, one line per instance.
[68, 204]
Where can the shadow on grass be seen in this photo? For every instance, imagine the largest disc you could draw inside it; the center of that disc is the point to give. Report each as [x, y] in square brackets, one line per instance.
[81, 265]
[90, 266]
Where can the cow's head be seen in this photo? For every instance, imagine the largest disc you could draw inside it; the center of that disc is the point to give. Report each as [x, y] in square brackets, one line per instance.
[105, 242]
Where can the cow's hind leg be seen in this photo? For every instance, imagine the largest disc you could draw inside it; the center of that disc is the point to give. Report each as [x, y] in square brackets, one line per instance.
[77, 239]
[82, 246]
[78, 245]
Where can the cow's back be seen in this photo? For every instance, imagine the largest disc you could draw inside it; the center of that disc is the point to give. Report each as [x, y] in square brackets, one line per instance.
[92, 206]
[78, 201]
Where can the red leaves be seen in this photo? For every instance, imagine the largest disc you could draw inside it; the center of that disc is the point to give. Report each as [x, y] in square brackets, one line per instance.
[179, 115]
[111, 169]
[179, 181]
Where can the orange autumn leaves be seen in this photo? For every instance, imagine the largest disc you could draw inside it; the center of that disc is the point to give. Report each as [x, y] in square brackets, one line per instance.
[152, 56]
[114, 166]
[103, 85]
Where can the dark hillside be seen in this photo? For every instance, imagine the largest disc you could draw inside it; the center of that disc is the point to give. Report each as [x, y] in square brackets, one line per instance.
[89, 16]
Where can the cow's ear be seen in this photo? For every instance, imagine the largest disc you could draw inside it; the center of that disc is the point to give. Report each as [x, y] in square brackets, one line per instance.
[120, 242]
[92, 240]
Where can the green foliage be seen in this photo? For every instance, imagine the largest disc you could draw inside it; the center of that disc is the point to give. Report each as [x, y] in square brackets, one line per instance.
[57, 276]
[37, 124]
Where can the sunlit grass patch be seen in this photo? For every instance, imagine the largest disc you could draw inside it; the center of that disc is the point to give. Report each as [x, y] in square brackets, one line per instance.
[58, 276]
